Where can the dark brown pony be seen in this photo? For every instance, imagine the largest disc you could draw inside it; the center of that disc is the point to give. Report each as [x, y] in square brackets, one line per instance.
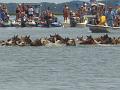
[88, 41]
[36, 42]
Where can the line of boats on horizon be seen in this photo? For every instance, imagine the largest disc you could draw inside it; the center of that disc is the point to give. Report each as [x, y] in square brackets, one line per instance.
[36, 23]
[94, 16]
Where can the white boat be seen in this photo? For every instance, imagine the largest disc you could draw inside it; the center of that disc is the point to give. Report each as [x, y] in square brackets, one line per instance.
[115, 28]
[16, 23]
[5, 24]
[30, 23]
[27, 23]
[98, 28]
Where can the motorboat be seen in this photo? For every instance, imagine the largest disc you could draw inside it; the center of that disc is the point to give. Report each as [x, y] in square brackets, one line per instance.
[98, 28]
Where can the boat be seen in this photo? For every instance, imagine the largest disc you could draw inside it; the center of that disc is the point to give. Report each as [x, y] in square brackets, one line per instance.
[77, 24]
[25, 24]
[16, 23]
[115, 28]
[31, 23]
[98, 28]
[5, 24]
[66, 24]
[54, 24]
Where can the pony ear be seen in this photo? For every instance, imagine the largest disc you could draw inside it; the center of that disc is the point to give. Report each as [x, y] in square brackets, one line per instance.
[14, 36]
[90, 36]
[29, 36]
[106, 34]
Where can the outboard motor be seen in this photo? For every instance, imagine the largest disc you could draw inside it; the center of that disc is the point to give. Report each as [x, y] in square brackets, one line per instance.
[23, 21]
[73, 22]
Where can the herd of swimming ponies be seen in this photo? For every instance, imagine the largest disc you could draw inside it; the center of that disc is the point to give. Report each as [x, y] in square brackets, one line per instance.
[58, 40]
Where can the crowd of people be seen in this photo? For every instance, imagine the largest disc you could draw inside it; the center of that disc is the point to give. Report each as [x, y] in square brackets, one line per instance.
[26, 12]
[79, 14]
[48, 16]
[103, 15]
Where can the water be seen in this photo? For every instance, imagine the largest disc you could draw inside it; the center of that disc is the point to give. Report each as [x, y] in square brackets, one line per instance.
[58, 68]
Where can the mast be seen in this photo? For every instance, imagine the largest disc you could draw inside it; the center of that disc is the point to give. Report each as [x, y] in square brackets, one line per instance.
[106, 5]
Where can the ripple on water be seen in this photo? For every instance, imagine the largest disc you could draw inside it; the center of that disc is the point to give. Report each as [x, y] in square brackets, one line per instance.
[81, 67]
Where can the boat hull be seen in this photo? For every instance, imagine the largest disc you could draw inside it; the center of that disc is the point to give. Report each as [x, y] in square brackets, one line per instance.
[98, 28]
[55, 24]
[115, 28]
[78, 25]
[26, 24]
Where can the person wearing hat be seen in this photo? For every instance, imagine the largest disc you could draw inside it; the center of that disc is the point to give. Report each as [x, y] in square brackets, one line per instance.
[93, 9]
[110, 15]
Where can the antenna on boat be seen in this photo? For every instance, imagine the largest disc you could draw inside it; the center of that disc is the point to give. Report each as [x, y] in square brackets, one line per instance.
[40, 9]
[106, 5]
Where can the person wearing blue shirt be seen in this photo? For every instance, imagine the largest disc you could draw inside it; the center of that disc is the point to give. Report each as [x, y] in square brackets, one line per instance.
[110, 15]
[2, 14]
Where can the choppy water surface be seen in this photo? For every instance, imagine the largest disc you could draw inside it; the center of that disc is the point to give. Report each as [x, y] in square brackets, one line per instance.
[58, 68]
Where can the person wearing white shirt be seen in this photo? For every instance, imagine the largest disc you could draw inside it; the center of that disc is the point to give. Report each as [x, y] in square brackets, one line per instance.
[30, 12]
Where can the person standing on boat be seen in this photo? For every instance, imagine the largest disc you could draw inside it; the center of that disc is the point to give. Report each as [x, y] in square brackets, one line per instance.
[2, 14]
[48, 17]
[30, 12]
[94, 9]
[23, 9]
[82, 13]
[117, 19]
[85, 8]
[66, 12]
[4, 8]
[101, 8]
[110, 15]
[18, 12]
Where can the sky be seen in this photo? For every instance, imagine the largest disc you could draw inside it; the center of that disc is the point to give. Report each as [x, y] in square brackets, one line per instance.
[36, 1]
